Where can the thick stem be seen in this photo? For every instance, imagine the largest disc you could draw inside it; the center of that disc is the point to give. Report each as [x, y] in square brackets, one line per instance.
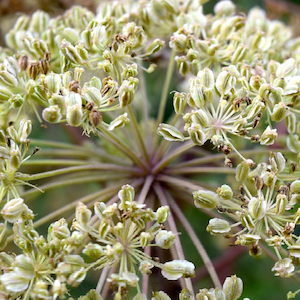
[109, 167]
[100, 196]
[179, 182]
[138, 133]
[177, 152]
[207, 261]
[164, 95]
[199, 170]
[106, 134]
[145, 189]
[70, 181]
[164, 201]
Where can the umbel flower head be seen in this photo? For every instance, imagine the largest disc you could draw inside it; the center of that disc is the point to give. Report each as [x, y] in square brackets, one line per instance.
[122, 232]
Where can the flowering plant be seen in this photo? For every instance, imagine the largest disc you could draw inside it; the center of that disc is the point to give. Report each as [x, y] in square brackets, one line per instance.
[236, 92]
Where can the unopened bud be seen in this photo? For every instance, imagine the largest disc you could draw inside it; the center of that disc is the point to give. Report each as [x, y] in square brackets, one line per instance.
[165, 239]
[280, 112]
[196, 134]
[218, 226]
[233, 287]
[163, 213]
[176, 269]
[13, 209]
[205, 199]
[268, 136]
[119, 122]
[170, 133]
[52, 114]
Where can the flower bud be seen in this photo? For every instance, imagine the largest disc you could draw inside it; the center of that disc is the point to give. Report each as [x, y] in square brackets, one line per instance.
[200, 117]
[176, 269]
[293, 143]
[25, 128]
[3, 239]
[242, 171]
[76, 277]
[287, 69]
[104, 228]
[5, 94]
[119, 122]
[197, 96]
[24, 267]
[156, 46]
[163, 213]
[82, 214]
[277, 162]
[183, 66]
[256, 107]
[7, 79]
[239, 54]
[160, 296]
[14, 282]
[225, 82]
[126, 195]
[290, 122]
[295, 187]
[268, 136]
[206, 78]
[247, 239]
[52, 114]
[59, 101]
[74, 115]
[257, 208]
[13, 209]
[165, 239]
[94, 251]
[196, 134]
[280, 112]
[179, 103]
[246, 219]
[269, 179]
[225, 192]
[256, 82]
[145, 267]
[145, 239]
[71, 53]
[185, 294]
[218, 226]
[126, 95]
[205, 199]
[170, 133]
[224, 8]
[281, 203]
[233, 287]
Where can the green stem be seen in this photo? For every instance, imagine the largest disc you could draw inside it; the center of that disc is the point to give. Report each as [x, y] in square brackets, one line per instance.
[164, 95]
[177, 152]
[54, 162]
[121, 146]
[164, 145]
[201, 250]
[183, 183]
[99, 196]
[109, 167]
[71, 181]
[164, 201]
[144, 95]
[198, 170]
[145, 189]
[138, 132]
[214, 157]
